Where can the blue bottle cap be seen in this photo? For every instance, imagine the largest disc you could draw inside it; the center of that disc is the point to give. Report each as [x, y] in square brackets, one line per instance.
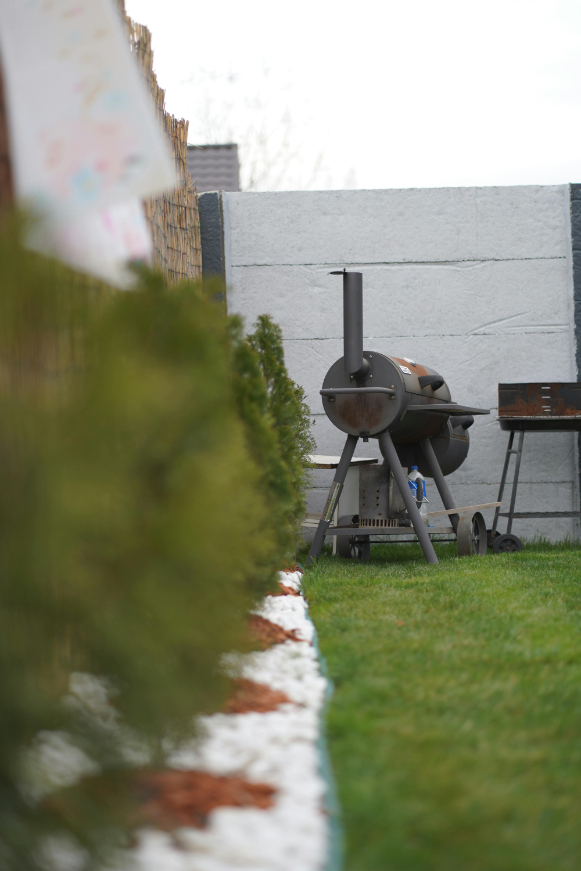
[414, 468]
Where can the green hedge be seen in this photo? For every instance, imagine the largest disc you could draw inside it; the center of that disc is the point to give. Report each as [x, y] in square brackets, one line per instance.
[278, 424]
[149, 491]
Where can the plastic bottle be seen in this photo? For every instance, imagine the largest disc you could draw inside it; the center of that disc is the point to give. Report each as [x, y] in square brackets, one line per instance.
[417, 485]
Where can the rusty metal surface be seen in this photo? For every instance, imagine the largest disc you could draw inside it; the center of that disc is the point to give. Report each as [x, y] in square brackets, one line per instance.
[542, 405]
[416, 368]
[369, 413]
[372, 414]
[411, 379]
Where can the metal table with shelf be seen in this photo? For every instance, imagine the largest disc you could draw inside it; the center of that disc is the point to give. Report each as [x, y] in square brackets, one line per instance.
[532, 407]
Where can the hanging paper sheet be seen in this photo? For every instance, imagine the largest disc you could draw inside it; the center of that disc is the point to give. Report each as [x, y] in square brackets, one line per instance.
[84, 136]
[106, 242]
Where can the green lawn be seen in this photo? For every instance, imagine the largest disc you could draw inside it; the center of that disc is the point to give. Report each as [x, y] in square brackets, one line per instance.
[455, 727]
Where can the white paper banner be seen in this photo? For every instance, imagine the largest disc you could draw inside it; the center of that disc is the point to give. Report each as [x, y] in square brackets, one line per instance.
[84, 136]
[82, 127]
[104, 243]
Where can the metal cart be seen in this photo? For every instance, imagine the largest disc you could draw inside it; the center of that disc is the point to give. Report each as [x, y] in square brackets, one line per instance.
[350, 539]
[531, 407]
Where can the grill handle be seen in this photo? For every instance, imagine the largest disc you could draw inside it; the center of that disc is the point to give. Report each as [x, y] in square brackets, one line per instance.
[331, 391]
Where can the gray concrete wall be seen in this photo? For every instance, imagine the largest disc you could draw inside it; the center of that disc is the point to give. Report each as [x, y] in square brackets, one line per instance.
[475, 282]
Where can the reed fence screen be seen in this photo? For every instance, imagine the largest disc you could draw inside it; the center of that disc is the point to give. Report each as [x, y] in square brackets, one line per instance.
[173, 217]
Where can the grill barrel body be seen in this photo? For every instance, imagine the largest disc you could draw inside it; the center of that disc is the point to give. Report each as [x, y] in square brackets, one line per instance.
[366, 394]
[370, 414]
[451, 444]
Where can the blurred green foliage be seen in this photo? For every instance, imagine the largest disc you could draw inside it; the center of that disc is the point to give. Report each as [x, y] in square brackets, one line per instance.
[277, 421]
[148, 494]
[289, 414]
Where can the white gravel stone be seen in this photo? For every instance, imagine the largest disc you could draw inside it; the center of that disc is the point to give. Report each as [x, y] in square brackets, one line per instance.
[291, 579]
[292, 668]
[288, 612]
[279, 748]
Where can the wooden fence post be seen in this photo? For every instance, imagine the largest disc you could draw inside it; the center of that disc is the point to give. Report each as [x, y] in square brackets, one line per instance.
[6, 185]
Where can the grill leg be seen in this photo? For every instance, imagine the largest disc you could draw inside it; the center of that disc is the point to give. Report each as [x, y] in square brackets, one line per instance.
[521, 438]
[390, 454]
[333, 498]
[503, 481]
[438, 477]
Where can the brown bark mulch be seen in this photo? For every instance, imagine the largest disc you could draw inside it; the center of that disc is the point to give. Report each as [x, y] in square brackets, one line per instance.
[171, 799]
[250, 696]
[268, 633]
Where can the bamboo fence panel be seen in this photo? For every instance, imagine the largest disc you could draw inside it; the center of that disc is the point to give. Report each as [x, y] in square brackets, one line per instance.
[173, 217]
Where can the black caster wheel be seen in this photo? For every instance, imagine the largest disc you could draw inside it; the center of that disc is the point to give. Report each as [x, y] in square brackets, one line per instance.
[353, 547]
[507, 543]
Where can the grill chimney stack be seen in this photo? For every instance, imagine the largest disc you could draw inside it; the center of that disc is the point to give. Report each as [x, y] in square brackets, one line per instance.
[355, 362]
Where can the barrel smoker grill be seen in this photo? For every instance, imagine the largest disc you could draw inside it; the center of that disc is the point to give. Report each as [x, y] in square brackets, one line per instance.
[408, 408]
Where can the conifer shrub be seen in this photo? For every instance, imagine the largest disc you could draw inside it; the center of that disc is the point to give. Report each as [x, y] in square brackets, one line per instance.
[135, 526]
[278, 423]
[288, 411]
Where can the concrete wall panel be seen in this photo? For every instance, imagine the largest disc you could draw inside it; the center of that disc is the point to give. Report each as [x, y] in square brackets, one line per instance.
[459, 299]
[412, 225]
[470, 281]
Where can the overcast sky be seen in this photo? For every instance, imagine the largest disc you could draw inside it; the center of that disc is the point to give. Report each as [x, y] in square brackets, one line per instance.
[414, 93]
